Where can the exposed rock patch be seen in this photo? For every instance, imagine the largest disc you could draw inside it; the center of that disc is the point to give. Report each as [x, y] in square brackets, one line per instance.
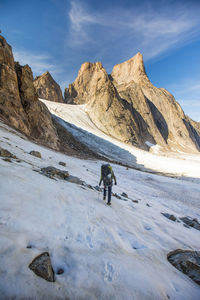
[61, 163]
[187, 262]
[52, 172]
[47, 88]
[124, 195]
[170, 217]
[42, 267]
[6, 153]
[35, 153]
[191, 222]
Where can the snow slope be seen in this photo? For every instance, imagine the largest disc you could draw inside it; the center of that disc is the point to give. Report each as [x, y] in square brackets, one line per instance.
[116, 252]
[79, 124]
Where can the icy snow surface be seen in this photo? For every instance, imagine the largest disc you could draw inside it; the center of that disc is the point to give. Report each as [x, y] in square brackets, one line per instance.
[79, 124]
[116, 252]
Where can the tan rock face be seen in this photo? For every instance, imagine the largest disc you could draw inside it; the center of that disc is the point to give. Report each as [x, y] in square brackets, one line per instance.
[128, 107]
[19, 104]
[47, 88]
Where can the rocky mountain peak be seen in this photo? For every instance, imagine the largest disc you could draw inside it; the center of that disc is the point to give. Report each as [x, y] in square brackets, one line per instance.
[126, 106]
[47, 88]
[130, 70]
[89, 75]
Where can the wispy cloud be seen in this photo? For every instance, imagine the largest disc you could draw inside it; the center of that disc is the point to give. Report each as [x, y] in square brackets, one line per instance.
[38, 63]
[151, 31]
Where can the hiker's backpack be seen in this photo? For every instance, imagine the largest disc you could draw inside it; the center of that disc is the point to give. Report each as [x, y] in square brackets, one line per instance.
[106, 172]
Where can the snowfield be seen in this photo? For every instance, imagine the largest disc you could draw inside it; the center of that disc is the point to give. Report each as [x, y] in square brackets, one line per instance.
[77, 121]
[116, 252]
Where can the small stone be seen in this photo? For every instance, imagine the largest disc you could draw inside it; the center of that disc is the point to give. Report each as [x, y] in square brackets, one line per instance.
[90, 187]
[60, 271]
[7, 159]
[135, 201]
[148, 205]
[173, 218]
[61, 163]
[29, 247]
[97, 188]
[124, 195]
[117, 196]
[170, 217]
[36, 154]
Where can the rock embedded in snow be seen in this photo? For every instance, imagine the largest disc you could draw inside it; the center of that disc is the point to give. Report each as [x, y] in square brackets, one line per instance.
[6, 153]
[60, 271]
[61, 163]
[187, 262]
[191, 222]
[35, 153]
[170, 217]
[41, 266]
[53, 172]
[124, 195]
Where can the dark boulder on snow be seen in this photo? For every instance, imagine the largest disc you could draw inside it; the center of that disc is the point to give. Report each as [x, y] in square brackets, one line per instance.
[41, 266]
[36, 154]
[6, 153]
[52, 172]
[124, 195]
[61, 163]
[187, 262]
[170, 217]
[60, 271]
[191, 222]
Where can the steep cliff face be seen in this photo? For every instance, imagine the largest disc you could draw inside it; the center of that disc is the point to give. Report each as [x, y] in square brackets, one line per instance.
[47, 88]
[19, 104]
[128, 107]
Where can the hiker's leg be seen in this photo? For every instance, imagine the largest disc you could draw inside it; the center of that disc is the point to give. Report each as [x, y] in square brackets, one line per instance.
[109, 193]
[104, 193]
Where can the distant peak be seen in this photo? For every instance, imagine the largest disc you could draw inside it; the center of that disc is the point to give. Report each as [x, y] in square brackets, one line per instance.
[132, 69]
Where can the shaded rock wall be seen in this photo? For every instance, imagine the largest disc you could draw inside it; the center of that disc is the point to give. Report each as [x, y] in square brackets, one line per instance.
[19, 104]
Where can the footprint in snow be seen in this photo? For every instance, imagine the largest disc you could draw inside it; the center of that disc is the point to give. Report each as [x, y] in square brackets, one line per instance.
[108, 272]
[89, 241]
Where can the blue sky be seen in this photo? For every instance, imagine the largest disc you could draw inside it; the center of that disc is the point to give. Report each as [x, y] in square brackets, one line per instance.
[59, 35]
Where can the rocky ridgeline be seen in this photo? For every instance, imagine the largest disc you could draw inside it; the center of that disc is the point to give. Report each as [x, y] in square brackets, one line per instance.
[20, 107]
[19, 104]
[127, 106]
[47, 88]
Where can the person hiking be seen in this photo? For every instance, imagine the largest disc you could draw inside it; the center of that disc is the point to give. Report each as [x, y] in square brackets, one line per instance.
[107, 176]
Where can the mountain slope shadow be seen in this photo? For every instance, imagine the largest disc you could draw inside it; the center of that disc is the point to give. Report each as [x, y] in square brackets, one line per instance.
[193, 133]
[159, 120]
[100, 145]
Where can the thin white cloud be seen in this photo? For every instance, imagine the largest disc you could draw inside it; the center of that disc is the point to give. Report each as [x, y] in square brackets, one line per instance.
[38, 63]
[149, 31]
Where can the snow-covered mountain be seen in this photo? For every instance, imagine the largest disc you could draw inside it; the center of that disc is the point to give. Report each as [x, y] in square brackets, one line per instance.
[117, 252]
